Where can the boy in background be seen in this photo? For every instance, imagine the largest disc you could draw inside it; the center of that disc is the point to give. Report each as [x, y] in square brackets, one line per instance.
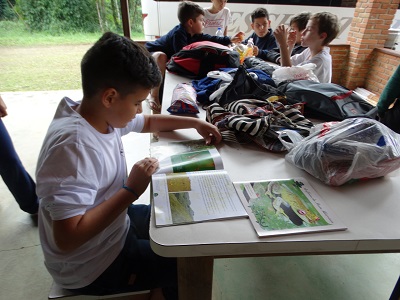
[189, 30]
[94, 240]
[297, 24]
[217, 16]
[263, 38]
[321, 29]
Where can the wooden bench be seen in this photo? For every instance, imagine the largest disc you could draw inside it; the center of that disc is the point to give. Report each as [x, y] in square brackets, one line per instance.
[57, 292]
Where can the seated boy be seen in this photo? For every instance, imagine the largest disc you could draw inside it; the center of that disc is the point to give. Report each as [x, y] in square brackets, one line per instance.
[297, 24]
[189, 30]
[322, 28]
[263, 38]
[94, 240]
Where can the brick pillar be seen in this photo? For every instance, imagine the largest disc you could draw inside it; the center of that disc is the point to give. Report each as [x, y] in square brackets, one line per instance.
[368, 30]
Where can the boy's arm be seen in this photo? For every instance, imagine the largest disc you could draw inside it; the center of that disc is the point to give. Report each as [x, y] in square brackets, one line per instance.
[73, 232]
[179, 40]
[160, 123]
[280, 34]
[3, 108]
[273, 55]
[390, 92]
[265, 45]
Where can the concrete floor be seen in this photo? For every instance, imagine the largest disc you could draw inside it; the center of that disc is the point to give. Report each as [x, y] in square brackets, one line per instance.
[23, 275]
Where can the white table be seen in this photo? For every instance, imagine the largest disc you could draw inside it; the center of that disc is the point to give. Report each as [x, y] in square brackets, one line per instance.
[369, 209]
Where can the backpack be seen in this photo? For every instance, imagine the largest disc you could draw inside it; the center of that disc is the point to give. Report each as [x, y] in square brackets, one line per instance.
[197, 59]
[327, 101]
[253, 62]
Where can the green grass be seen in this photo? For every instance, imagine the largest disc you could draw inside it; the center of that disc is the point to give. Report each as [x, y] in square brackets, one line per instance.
[42, 61]
[16, 34]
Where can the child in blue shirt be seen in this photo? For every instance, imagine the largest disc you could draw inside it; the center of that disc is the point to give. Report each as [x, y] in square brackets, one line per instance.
[263, 38]
[189, 30]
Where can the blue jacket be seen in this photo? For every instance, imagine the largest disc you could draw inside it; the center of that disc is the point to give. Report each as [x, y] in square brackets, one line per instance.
[178, 37]
[264, 44]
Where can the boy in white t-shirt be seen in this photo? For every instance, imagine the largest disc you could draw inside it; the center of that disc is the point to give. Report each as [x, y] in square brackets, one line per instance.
[217, 16]
[322, 28]
[94, 240]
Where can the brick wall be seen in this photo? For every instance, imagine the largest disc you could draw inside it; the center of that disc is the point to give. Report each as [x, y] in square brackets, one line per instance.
[369, 30]
[340, 61]
[382, 66]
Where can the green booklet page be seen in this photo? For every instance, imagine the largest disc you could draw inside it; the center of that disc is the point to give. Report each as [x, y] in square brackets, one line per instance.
[287, 206]
[191, 185]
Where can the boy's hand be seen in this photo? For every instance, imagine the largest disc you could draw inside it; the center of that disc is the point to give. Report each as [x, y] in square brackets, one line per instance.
[281, 33]
[255, 50]
[140, 175]
[291, 38]
[3, 108]
[209, 132]
[238, 37]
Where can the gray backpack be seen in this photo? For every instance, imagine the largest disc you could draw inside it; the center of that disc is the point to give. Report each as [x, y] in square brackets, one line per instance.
[327, 101]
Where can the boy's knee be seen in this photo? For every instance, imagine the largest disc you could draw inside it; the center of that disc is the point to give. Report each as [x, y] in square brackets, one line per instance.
[160, 57]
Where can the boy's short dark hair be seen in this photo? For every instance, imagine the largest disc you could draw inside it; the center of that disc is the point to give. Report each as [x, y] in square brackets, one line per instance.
[259, 13]
[301, 20]
[189, 10]
[328, 23]
[115, 61]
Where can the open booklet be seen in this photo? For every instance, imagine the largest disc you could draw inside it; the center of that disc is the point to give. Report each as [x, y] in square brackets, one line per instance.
[289, 206]
[191, 185]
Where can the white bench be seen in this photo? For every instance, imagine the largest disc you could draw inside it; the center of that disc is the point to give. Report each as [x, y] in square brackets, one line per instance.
[57, 292]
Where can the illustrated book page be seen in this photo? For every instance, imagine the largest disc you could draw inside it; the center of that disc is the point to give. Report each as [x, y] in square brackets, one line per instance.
[288, 206]
[191, 187]
[186, 156]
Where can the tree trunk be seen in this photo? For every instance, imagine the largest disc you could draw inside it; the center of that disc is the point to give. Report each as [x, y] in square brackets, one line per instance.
[99, 15]
[104, 14]
[115, 14]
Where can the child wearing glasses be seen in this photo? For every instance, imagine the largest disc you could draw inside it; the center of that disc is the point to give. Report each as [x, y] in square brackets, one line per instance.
[263, 37]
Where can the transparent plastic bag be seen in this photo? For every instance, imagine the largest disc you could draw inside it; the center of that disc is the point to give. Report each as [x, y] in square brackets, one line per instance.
[346, 151]
[244, 51]
[304, 72]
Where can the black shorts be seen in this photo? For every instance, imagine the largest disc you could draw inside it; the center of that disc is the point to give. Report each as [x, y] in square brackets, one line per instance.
[137, 267]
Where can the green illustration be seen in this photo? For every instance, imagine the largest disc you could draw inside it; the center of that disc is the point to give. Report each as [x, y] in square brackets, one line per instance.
[192, 162]
[283, 205]
[180, 208]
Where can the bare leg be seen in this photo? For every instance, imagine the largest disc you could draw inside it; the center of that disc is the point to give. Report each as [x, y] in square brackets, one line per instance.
[154, 99]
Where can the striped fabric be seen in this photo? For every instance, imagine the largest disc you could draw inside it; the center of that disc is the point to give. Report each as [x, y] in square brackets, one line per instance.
[258, 120]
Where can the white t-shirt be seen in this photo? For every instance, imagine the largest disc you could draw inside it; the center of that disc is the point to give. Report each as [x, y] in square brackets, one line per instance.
[79, 168]
[323, 62]
[213, 21]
